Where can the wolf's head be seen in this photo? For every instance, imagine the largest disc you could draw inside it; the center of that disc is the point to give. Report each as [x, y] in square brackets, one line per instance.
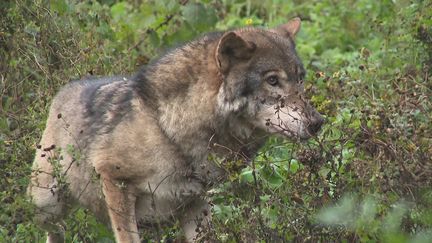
[263, 80]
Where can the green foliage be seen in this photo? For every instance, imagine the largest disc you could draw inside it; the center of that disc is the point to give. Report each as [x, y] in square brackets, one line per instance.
[365, 178]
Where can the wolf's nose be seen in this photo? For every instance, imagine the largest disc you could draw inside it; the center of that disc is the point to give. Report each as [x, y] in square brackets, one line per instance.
[315, 125]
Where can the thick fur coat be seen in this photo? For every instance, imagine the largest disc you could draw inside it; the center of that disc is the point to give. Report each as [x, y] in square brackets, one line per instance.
[135, 149]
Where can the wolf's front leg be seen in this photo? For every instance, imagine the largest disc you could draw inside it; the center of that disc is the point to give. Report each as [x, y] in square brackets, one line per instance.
[120, 199]
[195, 216]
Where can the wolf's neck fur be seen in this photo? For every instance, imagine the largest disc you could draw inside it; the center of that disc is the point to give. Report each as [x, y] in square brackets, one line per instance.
[185, 85]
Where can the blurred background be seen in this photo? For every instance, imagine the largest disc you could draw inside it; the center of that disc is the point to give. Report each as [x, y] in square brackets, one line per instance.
[366, 178]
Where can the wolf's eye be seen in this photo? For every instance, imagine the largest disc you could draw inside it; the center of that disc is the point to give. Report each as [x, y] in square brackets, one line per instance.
[273, 80]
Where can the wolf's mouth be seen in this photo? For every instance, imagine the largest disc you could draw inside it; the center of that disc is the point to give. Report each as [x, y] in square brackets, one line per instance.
[300, 134]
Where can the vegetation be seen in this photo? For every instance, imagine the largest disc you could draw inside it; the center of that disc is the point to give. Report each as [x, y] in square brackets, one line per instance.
[366, 178]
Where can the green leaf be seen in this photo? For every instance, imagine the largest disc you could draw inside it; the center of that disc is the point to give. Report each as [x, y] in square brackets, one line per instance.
[246, 176]
[59, 6]
[199, 17]
[294, 166]
[272, 177]
[323, 172]
[184, 34]
[120, 10]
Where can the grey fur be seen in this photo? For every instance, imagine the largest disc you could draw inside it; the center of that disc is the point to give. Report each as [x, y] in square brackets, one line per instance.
[136, 149]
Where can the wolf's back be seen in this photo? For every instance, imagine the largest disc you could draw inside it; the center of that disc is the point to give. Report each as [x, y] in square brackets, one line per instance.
[75, 116]
[71, 110]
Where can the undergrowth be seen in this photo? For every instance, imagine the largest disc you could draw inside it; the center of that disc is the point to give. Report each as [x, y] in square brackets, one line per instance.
[365, 178]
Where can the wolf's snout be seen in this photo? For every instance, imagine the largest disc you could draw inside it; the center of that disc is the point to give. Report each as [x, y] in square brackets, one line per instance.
[316, 122]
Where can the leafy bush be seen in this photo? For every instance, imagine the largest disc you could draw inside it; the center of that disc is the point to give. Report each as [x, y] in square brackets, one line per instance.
[366, 177]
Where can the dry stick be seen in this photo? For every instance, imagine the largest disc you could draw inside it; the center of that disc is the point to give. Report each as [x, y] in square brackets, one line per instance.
[167, 20]
[257, 199]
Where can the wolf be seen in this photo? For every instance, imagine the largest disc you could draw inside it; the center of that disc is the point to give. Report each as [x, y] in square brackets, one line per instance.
[135, 150]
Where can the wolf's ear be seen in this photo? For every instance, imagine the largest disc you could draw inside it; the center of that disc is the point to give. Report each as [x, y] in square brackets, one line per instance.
[289, 29]
[232, 49]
